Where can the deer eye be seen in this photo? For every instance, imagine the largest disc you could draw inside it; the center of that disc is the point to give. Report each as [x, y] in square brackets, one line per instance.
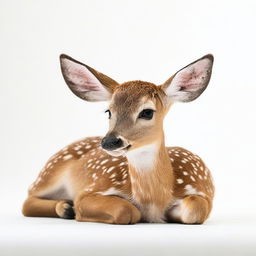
[146, 114]
[109, 113]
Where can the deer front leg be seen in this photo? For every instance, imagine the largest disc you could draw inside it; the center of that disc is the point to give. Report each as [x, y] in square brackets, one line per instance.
[37, 207]
[106, 209]
[192, 209]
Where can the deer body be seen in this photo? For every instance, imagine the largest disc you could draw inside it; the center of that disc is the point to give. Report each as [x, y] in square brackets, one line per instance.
[129, 175]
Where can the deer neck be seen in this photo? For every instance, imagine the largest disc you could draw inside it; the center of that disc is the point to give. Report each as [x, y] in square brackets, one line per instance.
[151, 175]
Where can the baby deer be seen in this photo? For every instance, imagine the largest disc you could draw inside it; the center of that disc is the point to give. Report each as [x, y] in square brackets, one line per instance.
[128, 176]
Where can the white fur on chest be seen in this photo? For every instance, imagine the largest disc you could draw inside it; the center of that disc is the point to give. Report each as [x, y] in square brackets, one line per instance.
[143, 159]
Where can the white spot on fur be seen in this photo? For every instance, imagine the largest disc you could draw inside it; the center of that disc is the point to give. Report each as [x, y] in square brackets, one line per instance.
[117, 183]
[112, 176]
[92, 185]
[192, 191]
[110, 169]
[180, 181]
[48, 165]
[104, 161]
[192, 178]
[67, 157]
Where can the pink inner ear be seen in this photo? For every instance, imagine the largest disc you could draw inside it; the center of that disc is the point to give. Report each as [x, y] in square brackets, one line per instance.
[80, 77]
[192, 77]
[190, 80]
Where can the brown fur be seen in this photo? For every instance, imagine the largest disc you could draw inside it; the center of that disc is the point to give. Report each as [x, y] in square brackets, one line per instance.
[81, 176]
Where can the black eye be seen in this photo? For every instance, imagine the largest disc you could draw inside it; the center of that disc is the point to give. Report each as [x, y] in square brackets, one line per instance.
[109, 113]
[146, 114]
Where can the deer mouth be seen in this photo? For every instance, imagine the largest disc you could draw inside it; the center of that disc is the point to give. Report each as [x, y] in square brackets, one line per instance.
[119, 151]
[128, 147]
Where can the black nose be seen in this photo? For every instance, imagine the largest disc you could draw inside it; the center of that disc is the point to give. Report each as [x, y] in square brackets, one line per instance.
[111, 143]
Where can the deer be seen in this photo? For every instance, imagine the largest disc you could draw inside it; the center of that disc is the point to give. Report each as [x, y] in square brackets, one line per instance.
[128, 176]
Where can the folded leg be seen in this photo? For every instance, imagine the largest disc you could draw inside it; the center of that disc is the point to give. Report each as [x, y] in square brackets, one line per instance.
[106, 209]
[37, 207]
[192, 209]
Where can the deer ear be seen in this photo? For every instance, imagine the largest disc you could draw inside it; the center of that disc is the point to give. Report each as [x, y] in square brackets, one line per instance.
[84, 81]
[189, 82]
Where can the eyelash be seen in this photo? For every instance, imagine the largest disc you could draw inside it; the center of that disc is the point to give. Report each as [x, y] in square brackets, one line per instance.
[109, 113]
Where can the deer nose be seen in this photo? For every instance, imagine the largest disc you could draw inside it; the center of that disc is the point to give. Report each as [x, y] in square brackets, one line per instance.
[111, 143]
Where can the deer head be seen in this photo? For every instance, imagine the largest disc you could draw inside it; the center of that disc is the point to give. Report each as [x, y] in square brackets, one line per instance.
[137, 109]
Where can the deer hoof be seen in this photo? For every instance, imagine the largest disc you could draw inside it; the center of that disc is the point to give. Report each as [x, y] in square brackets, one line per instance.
[65, 209]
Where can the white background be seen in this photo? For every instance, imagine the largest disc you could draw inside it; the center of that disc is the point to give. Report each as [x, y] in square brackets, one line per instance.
[128, 40]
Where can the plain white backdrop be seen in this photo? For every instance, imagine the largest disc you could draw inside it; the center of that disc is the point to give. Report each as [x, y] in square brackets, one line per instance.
[128, 40]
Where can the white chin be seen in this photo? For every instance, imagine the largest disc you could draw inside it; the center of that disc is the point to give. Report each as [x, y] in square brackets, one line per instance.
[116, 153]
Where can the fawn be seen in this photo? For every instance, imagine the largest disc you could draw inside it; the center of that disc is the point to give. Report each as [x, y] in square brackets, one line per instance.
[128, 176]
